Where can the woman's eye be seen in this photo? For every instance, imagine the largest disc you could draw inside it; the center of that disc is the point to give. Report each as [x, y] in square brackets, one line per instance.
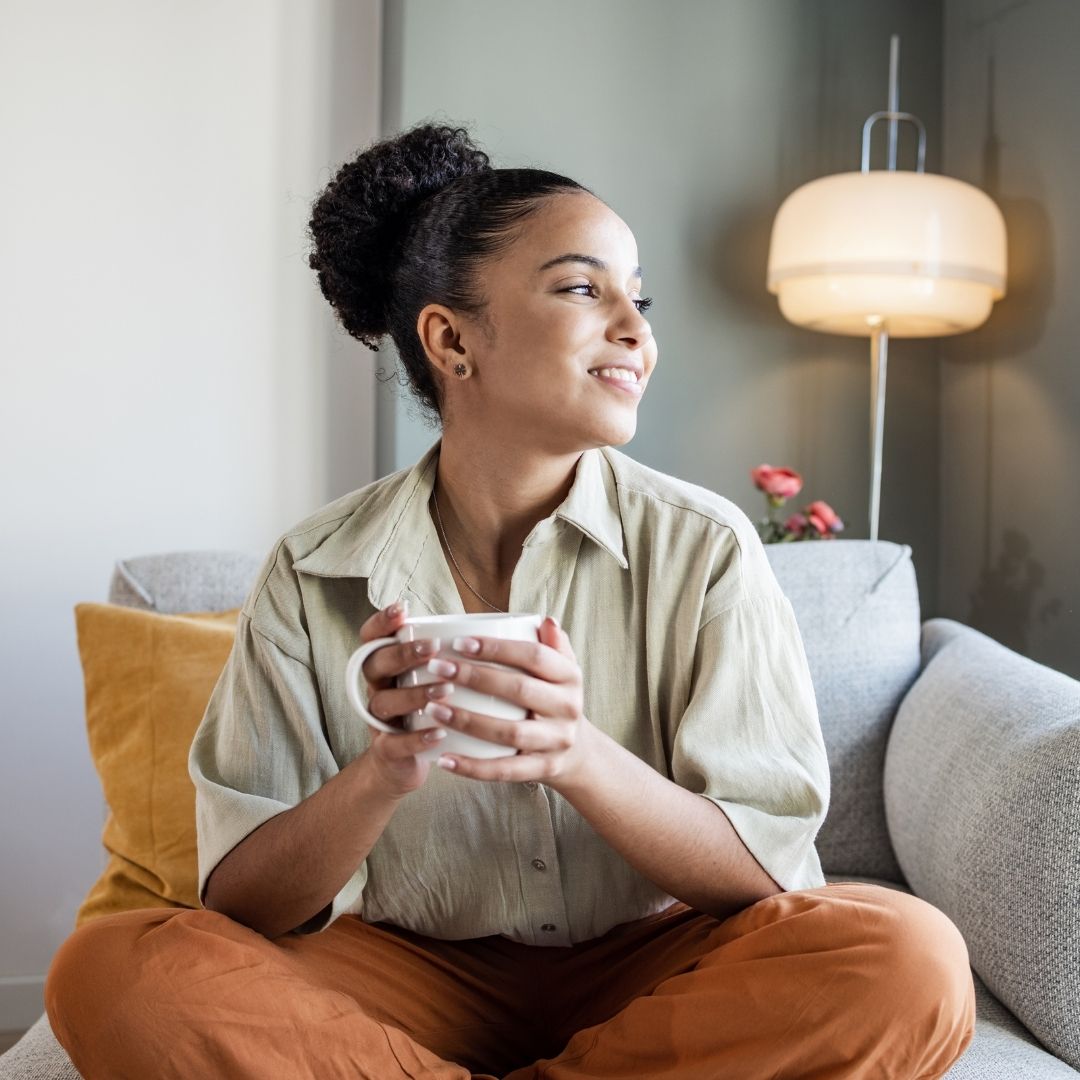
[642, 305]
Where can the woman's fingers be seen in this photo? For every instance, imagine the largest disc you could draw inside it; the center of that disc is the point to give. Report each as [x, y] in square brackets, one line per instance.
[406, 744]
[523, 735]
[397, 701]
[384, 623]
[545, 679]
[383, 666]
[535, 657]
[394, 660]
[557, 699]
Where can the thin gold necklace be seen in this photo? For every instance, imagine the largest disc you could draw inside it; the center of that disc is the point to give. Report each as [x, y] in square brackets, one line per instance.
[442, 532]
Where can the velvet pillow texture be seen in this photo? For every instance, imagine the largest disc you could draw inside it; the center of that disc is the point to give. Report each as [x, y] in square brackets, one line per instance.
[148, 679]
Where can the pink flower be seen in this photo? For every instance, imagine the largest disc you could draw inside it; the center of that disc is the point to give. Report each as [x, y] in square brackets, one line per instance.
[824, 518]
[779, 483]
[796, 524]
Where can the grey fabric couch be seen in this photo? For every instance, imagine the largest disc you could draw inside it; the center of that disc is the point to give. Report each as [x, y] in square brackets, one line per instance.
[955, 776]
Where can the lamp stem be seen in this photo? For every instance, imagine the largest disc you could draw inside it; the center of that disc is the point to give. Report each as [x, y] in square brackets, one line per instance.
[879, 356]
[894, 95]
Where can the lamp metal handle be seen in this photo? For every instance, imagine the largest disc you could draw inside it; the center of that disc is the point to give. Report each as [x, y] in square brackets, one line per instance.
[888, 114]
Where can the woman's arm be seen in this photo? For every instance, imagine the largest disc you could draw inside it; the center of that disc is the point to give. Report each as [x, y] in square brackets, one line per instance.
[291, 867]
[749, 738]
[680, 841]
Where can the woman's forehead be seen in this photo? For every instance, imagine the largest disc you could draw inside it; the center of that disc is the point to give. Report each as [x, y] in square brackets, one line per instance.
[575, 225]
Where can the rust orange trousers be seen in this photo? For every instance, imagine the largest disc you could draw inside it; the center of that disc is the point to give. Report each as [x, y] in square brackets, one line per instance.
[851, 980]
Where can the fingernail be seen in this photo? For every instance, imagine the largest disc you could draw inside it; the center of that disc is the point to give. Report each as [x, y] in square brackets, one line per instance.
[426, 646]
[437, 711]
[466, 645]
[434, 734]
[440, 690]
[447, 763]
[442, 667]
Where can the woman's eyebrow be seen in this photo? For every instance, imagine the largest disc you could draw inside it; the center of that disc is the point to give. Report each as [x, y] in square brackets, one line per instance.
[591, 260]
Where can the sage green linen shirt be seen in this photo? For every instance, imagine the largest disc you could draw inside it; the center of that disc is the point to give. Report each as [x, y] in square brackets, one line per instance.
[692, 660]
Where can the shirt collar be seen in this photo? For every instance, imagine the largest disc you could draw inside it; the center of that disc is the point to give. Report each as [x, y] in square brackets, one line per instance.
[385, 537]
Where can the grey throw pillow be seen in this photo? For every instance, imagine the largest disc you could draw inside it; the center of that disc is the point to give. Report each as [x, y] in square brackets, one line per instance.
[982, 800]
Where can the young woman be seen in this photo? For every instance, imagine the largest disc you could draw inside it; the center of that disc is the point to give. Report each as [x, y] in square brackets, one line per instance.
[635, 892]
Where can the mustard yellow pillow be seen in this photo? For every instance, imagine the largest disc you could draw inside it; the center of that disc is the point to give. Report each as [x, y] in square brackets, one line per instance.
[148, 679]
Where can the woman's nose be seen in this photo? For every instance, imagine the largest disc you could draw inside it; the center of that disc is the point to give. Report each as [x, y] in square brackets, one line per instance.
[633, 327]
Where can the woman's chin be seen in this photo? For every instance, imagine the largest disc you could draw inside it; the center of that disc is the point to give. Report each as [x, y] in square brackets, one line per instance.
[616, 434]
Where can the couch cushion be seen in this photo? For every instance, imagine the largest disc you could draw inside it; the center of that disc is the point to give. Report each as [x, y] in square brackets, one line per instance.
[857, 605]
[38, 1056]
[982, 791]
[148, 678]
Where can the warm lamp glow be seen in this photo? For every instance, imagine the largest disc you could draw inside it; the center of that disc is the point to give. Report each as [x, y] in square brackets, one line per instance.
[914, 254]
[887, 254]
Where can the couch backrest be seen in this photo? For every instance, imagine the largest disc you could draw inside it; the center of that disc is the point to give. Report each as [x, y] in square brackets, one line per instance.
[857, 605]
[184, 581]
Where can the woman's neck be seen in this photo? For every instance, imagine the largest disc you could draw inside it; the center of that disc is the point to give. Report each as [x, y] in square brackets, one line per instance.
[490, 498]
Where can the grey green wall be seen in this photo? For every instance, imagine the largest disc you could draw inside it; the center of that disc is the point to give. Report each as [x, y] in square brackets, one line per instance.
[693, 120]
[1010, 399]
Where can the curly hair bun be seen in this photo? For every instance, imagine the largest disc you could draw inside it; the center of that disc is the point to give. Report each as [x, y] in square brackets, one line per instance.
[362, 217]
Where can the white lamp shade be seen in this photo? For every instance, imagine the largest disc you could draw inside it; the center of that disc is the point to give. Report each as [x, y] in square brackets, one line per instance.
[918, 254]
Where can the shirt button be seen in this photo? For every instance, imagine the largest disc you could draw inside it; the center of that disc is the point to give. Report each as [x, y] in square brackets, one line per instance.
[531, 785]
[539, 864]
[548, 926]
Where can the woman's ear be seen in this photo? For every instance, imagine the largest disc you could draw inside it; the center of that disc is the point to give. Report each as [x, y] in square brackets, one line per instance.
[439, 330]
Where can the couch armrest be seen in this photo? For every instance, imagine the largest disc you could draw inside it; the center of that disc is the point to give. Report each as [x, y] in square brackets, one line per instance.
[982, 802]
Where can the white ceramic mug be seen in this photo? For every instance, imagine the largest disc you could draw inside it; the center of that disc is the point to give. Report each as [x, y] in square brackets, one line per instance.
[447, 627]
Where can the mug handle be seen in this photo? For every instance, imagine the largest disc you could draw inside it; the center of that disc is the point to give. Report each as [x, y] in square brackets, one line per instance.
[353, 676]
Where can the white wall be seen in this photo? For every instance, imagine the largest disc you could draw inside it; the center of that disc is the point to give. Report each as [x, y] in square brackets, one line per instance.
[172, 377]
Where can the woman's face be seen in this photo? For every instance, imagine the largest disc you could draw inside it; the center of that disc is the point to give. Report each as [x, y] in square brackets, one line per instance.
[552, 322]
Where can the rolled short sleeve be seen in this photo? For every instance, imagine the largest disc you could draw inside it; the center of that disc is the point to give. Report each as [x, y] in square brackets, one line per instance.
[750, 738]
[260, 750]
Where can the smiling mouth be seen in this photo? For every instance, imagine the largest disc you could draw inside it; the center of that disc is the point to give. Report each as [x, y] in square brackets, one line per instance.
[616, 373]
[620, 379]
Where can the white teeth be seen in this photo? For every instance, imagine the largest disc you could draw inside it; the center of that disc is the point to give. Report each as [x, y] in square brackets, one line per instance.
[617, 373]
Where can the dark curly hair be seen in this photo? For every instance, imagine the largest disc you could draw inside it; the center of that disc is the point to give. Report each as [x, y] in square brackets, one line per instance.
[409, 222]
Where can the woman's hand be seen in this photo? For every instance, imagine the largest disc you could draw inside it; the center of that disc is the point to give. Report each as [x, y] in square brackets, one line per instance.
[391, 758]
[551, 742]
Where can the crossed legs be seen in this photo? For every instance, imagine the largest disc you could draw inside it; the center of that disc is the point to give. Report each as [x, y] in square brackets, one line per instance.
[847, 981]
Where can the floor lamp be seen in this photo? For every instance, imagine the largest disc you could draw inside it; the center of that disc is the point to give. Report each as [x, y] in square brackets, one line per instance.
[887, 253]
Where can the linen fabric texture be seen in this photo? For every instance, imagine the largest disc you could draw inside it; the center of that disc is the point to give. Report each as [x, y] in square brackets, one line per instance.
[147, 679]
[691, 657]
